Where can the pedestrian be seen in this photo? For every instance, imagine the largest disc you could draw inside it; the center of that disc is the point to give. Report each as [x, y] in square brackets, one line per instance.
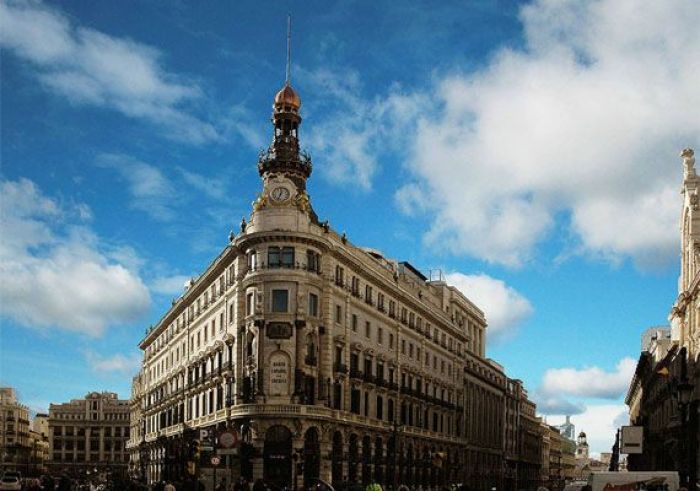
[373, 486]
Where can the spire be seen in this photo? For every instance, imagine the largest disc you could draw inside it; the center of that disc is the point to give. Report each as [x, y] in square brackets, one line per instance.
[288, 79]
[284, 155]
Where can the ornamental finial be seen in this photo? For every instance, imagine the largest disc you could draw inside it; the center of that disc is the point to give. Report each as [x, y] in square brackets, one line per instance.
[688, 157]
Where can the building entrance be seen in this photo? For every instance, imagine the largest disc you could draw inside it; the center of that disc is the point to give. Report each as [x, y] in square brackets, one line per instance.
[312, 457]
[277, 456]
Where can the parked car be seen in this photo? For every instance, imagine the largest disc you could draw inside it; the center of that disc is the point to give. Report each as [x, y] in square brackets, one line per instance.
[11, 481]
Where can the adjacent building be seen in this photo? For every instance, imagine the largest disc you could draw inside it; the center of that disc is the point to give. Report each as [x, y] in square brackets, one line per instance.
[15, 445]
[664, 394]
[89, 435]
[314, 351]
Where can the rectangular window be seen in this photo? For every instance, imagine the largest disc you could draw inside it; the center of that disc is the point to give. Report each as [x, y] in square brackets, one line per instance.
[368, 330]
[288, 257]
[355, 401]
[273, 257]
[339, 276]
[313, 305]
[338, 314]
[391, 341]
[380, 301]
[280, 300]
[403, 346]
[392, 308]
[368, 294]
[313, 261]
[249, 304]
[380, 335]
[354, 322]
[355, 286]
[410, 350]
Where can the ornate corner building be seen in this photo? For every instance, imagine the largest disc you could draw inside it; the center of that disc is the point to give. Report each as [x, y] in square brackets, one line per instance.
[325, 360]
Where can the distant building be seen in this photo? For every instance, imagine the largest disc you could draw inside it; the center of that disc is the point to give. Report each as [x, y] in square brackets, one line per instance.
[14, 430]
[582, 453]
[89, 435]
[567, 429]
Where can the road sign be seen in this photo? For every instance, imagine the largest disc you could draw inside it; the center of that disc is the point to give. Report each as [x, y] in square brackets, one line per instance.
[215, 460]
[228, 439]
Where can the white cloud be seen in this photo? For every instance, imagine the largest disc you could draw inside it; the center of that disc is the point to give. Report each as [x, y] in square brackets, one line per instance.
[557, 405]
[151, 191]
[90, 67]
[54, 273]
[170, 285]
[213, 187]
[589, 381]
[599, 422]
[118, 363]
[349, 133]
[584, 125]
[504, 307]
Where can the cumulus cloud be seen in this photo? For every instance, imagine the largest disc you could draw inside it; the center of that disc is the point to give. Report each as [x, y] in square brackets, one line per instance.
[93, 68]
[117, 363]
[589, 381]
[504, 307]
[54, 271]
[581, 126]
[350, 133]
[599, 422]
[557, 405]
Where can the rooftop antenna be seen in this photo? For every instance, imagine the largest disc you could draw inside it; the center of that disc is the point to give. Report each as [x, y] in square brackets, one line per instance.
[289, 50]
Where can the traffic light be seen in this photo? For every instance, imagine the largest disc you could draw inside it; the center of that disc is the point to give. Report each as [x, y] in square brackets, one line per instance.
[195, 450]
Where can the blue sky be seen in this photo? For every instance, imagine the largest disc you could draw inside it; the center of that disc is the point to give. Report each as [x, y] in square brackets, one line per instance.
[527, 150]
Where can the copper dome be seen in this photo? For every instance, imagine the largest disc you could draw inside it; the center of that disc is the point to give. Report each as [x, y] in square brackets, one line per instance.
[287, 97]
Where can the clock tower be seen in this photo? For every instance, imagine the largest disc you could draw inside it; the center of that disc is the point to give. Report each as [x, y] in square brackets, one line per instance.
[284, 169]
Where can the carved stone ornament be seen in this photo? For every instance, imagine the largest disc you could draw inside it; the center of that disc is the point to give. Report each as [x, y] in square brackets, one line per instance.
[260, 202]
[694, 202]
[688, 156]
[302, 201]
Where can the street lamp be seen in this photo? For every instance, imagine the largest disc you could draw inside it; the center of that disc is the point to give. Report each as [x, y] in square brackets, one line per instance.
[684, 392]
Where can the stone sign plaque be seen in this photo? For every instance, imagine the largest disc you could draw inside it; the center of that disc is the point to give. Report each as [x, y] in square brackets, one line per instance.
[279, 374]
[279, 330]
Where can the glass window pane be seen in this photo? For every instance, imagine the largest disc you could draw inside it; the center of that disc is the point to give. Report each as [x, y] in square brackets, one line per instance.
[279, 300]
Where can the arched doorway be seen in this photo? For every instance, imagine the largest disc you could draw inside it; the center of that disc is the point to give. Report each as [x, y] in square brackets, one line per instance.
[277, 456]
[312, 457]
[366, 460]
[379, 460]
[337, 459]
[354, 452]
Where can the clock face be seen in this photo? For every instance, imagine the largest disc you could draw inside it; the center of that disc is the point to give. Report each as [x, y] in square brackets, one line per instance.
[280, 194]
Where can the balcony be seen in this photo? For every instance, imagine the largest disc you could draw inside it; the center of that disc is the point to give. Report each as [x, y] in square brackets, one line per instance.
[340, 368]
[355, 373]
[368, 377]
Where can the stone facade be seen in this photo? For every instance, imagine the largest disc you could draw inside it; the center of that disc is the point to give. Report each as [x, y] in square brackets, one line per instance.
[89, 435]
[669, 360]
[15, 445]
[317, 352]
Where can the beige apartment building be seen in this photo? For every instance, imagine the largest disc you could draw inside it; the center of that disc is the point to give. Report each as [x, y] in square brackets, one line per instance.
[89, 435]
[314, 351]
[14, 431]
